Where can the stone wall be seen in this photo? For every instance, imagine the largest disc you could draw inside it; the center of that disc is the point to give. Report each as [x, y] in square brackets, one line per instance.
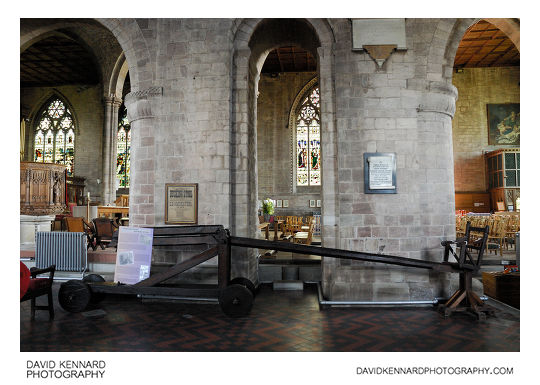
[404, 108]
[478, 87]
[275, 161]
[194, 114]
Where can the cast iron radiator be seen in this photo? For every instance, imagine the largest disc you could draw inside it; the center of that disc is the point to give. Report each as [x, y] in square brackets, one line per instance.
[66, 250]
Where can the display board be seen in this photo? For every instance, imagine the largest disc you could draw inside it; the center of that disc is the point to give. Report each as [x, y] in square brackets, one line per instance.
[134, 254]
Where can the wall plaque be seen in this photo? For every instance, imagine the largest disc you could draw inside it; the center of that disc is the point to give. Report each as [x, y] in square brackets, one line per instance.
[378, 32]
[181, 203]
[380, 173]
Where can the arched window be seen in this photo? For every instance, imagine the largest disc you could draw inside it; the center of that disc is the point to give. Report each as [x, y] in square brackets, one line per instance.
[123, 144]
[54, 139]
[308, 139]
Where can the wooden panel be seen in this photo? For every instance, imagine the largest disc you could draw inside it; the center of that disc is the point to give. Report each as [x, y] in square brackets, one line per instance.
[474, 202]
[502, 287]
[43, 188]
[110, 211]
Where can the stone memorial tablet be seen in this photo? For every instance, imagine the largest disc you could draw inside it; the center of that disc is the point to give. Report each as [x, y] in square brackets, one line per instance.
[380, 173]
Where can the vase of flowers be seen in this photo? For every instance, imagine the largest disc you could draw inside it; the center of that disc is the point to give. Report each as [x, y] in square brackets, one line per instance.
[268, 209]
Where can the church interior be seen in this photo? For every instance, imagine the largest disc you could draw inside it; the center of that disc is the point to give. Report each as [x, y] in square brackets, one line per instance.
[340, 185]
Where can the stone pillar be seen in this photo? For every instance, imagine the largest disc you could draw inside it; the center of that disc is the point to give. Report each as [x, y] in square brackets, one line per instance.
[111, 105]
[142, 210]
[243, 163]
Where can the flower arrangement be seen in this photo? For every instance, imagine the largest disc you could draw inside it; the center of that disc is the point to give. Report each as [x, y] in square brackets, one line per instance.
[268, 206]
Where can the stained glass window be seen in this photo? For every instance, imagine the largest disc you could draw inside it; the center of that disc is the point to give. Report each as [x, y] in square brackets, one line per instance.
[308, 140]
[123, 144]
[54, 138]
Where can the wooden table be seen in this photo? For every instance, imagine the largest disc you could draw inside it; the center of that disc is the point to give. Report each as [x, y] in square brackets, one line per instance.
[277, 225]
[111, 211]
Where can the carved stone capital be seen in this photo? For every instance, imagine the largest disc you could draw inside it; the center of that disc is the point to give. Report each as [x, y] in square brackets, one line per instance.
[138, 103]
[112, 100]
[438, 97]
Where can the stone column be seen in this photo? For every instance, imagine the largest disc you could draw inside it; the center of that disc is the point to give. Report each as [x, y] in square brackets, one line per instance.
[111, 105]
[139, 104]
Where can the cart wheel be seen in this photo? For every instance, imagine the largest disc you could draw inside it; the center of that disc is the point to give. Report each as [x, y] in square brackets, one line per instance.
[245, 282]
[74, 296]
[236, 300]
[96, 297]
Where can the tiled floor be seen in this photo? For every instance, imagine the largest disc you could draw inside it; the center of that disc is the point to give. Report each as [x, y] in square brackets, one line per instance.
[279, 321]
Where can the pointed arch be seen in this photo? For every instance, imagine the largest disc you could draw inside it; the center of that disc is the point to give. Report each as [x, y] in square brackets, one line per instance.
[304, 152]
[54, 131]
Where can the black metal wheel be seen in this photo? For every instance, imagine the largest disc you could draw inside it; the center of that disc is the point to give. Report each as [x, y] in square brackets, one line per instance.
[74, 296]
[96, 297]
[236, 300]
[245, 282]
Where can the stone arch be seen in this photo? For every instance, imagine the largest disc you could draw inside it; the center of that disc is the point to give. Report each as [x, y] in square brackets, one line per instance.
[451, 38]
[134, 50]
[41, 104]
[34, 118]
[249, 53]
[118, 77]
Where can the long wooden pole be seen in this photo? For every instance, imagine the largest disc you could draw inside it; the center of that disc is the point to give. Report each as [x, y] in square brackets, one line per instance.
[337, 253]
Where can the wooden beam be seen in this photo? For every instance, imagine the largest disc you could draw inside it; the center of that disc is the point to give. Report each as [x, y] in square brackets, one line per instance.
[342, 254]
[184, 240]
[179, 268]
[187, 230]
[97, 287]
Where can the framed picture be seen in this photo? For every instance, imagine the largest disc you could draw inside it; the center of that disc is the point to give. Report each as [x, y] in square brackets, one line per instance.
[279, 203]
[181, 203]
[312, 203]
[318, 203]
[503, 124]
[285, 203]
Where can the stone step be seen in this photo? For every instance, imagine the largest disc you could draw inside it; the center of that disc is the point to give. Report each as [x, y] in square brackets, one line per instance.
[288, 285]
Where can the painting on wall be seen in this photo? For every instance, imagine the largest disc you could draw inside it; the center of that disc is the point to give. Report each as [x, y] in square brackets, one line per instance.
[503, 124]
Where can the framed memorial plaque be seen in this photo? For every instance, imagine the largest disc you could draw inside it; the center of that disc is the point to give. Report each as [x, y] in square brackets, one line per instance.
[380, 173]
[181, 203]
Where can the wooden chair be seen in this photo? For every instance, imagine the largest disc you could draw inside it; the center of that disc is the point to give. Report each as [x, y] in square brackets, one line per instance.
[32, 287]
[496, 237]
[122, 201]
[512, 227]
[104, 230]
[468, 254]
[79, 225]
[293, 224]
[304, 237]
[461, 223]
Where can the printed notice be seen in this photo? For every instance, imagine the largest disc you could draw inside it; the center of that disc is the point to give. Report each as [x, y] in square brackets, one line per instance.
[134, 254]
[181, 203]
[380, 172]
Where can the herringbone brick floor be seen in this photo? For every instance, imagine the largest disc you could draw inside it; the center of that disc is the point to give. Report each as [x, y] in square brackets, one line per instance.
[279, 321]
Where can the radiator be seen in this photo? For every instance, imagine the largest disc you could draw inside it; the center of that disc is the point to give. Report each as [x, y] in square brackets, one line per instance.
[64, 249]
